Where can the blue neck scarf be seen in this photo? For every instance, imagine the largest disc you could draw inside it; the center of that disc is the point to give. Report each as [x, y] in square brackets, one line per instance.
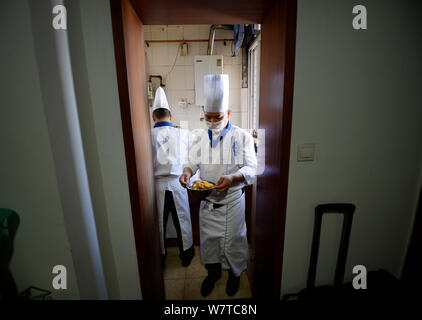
[163, 124]
[214, 143]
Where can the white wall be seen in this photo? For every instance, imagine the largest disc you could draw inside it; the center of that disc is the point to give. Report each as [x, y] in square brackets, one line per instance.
[180, 83]
[357, 96]
[28, 182]
[95, 78]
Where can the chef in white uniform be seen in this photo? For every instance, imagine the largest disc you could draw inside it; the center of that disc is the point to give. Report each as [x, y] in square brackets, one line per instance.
[227, 158]
[169, 145]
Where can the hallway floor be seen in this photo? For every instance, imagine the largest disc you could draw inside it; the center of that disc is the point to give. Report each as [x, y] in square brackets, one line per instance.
[185, 283]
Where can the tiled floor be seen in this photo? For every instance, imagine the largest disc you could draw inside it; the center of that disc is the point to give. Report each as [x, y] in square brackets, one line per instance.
[185, 282]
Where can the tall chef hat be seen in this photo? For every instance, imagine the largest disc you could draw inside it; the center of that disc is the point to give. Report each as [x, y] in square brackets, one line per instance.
[216, 92]
[160, 100]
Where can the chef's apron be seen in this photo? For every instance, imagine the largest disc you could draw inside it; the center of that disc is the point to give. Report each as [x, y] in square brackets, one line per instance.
[181, 202]
[223, 234]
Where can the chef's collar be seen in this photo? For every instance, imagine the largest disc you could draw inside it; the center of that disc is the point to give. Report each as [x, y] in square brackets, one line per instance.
[163, 124]
[215, 142]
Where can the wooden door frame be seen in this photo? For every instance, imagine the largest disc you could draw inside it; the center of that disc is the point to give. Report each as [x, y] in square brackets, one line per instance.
[144, 221]
[278, 42]
[278, 24]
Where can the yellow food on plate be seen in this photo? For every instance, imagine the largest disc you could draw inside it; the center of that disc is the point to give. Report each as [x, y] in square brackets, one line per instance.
[202, 185]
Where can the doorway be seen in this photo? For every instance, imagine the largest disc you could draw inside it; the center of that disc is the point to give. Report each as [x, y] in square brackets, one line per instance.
[177, 56]
[278, 23]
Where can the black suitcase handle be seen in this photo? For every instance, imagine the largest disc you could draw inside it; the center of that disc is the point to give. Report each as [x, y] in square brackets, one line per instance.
[342, 208]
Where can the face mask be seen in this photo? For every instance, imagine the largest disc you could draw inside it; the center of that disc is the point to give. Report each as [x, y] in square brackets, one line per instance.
[216, 127]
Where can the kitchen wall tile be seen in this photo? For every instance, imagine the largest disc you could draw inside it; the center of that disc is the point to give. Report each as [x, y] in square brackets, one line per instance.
[244, 116]
[234, 99]
[159, 32]
[218, 48]
[197, 49]
[160, 54]
[226, 49]
[177, 79]
[191, 32]
[238, 58]
[236, 119]
[191, 97]
[180, 82]
[204, 31]
[175, 32]
[190, 77]
[234, 72]
[244, 99]
[158, 71]
[173, 49]
[172, 100]
[147, 35]
[149, 55]
[224, 34]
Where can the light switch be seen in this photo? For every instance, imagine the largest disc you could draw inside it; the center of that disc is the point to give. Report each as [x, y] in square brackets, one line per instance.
[306, 152]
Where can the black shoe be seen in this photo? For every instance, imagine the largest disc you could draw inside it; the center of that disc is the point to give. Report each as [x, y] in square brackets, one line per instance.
[233, 284]
[187, 256]
[214, 273]
[208, 285]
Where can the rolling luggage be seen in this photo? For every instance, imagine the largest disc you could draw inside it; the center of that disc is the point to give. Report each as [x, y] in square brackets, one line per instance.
[337, 291]
[383, 291]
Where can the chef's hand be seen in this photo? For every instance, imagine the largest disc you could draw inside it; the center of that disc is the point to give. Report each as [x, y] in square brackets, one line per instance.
[185, 177]
[224, 183]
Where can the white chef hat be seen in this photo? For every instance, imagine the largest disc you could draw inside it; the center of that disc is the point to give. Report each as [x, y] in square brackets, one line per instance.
[216, 92]
[160, 100]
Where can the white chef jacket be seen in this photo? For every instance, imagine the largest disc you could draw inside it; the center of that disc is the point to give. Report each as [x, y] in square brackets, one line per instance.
[223, 227]
[170, 146]
[232, 153]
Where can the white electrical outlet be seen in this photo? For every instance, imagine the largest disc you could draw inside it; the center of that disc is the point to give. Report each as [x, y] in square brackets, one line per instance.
[183, 103]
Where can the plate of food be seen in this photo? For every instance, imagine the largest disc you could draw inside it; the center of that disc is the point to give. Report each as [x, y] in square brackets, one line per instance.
[200, 188]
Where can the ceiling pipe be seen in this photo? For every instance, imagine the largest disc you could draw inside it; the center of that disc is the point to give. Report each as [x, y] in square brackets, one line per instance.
[211, 39]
